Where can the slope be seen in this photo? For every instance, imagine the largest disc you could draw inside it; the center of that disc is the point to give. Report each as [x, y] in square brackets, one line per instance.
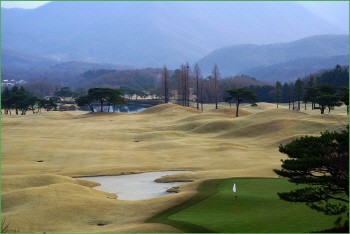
[154, 33]
[237, 58]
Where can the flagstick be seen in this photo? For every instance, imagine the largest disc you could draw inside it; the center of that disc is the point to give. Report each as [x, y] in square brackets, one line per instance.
[235, 191]
[236, 203]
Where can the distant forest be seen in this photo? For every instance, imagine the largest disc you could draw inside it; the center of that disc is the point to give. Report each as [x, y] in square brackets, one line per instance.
[149, 81]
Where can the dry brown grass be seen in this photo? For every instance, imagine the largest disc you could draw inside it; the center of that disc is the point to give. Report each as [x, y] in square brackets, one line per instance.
[42, 153]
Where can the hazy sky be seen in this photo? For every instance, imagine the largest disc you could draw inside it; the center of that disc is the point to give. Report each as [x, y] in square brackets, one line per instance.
[22, 4]
[336, 12]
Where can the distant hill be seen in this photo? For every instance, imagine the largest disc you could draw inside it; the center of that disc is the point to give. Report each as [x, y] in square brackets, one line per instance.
[235, 59]
[78, 67]
[19, 65]
[153, 33]
[19, 59]
[295, 68]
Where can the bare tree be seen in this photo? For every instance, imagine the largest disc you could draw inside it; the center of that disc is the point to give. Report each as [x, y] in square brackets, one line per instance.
[179, 86]
[216, 77]
[188, 83]
[201, 91]
[165, 84]
[197, 76]
[183, 85]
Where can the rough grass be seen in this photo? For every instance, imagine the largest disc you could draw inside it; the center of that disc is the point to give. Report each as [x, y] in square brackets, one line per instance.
[231, 112]
[42, 153]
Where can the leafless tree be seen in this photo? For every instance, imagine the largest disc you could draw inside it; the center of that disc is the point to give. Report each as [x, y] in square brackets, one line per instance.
[197, 77]
[183, 85]
[201, 91]
[165, 84]
[216, 77]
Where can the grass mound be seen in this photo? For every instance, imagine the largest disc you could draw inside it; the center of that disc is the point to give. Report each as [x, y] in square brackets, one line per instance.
[189, 126]
[157, 108]
[55, 206]
[169, 108]
[278, 128]
[98, 113]
[158, 136]
[11, 183]
[289, 139]
[46, 147]
[203, 116]
[231, 112]
[277, 113]
[215, 126]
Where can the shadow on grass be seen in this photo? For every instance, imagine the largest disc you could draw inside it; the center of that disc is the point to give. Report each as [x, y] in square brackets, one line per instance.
[205, 189]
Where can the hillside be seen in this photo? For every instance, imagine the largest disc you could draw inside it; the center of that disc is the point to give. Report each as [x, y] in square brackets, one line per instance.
[19, 59]
[153, 33]
[295, 68]
[235, 59]
[19, 65]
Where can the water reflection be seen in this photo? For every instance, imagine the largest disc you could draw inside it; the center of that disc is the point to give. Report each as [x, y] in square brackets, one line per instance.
[118, 108]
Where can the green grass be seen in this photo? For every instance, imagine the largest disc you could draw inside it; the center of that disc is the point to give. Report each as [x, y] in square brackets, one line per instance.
[213, 209]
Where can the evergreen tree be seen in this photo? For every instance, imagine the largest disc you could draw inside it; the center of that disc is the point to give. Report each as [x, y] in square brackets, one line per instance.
[298, 91]
[278, 92]
[6, 100]
[240, 95]
[285, 92]
[326, 97]
[18, 98]
[338, 76]
[323, 164]
[112, 96]
[345, 97]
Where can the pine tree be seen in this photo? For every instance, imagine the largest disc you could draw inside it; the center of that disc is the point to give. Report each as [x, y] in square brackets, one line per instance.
[323, 164]
[240, 95]
[278, 92]
[298, 91]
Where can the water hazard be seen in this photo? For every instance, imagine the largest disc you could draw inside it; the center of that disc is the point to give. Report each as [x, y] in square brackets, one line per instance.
[132, 108]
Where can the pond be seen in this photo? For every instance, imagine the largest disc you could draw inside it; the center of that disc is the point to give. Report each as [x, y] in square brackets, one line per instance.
[135, 186]
[130, 108]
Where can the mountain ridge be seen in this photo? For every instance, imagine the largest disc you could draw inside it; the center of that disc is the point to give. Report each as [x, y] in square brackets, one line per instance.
[233, 59]
[154, 33]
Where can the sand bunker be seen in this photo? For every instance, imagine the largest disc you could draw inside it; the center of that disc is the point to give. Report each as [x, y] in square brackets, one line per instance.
[135, 187]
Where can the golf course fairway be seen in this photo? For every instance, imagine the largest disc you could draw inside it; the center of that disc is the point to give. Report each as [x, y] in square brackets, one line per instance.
[43, 154]
[213, 209]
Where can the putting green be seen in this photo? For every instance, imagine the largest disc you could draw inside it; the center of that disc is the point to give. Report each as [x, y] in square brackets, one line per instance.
[213, 209]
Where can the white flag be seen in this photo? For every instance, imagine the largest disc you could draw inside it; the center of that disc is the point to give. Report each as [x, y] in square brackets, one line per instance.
[234, 187]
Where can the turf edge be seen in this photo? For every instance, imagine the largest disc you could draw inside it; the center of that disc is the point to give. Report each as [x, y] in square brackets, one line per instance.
[205, 189]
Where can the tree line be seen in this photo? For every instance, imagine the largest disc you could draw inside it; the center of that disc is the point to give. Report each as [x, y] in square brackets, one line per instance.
[101, 95]
[326, 95]
[186, 85]
[22, 100]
